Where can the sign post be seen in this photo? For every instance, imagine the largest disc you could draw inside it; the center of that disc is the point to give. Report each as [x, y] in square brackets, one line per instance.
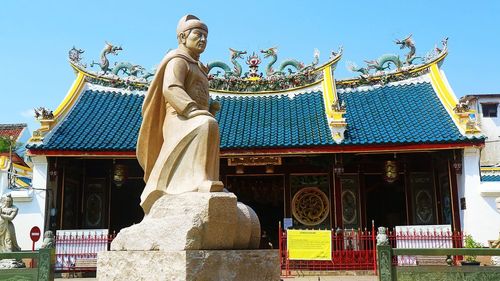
[35, 234]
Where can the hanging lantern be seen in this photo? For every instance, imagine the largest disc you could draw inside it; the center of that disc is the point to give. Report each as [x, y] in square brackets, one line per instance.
[269, 169]
[53, 171]
[119, 174]
[338, 168]
[457, 163]
[390, 171]
[240, 169]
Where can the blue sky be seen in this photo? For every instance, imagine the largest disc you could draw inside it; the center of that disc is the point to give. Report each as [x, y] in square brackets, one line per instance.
[35, 38]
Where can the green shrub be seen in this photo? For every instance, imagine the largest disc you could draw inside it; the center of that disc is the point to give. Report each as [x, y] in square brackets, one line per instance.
[471, 243]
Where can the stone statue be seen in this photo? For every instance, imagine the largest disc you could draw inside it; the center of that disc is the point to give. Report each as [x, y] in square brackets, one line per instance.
[48, 240]
[8, 241]
[178, 145]
[382, 239]
[178, 148]
[192, 229]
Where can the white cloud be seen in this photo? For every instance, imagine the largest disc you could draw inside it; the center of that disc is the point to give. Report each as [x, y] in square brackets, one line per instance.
[28, 113]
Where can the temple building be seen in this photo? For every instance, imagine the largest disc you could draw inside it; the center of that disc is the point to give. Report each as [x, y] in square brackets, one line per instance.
[15, 179]
[484, 201]
[392, 146]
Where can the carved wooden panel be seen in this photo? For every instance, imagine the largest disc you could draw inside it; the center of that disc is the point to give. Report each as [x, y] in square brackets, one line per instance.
[311, 200]
[350, 201]
[423, 198]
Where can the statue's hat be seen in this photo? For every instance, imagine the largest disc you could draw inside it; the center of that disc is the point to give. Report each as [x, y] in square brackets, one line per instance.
[188, 22]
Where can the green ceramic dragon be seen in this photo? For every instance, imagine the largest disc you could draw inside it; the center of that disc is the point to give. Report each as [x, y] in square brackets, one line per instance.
[273, 53]
[386, 61]
[104, 64]
[236, 71]
[408, 43]
[127, 68]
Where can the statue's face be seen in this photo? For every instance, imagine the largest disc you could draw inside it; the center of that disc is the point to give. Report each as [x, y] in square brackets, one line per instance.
[196, 40]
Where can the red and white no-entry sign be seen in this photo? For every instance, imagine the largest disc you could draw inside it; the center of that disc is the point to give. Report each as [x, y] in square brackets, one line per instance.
[35, 233]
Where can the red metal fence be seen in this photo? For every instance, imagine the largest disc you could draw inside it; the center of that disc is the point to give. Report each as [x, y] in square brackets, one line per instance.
[356, 249]
[78, 251]
[351, 250]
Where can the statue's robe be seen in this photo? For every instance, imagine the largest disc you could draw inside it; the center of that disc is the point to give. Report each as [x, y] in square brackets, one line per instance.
[177, 154]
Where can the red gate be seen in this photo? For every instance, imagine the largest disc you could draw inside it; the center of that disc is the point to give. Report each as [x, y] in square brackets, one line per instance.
[351, 250]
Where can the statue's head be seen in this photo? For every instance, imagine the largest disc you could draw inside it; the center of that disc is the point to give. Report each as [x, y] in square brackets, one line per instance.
[192, 34]
[7, 200]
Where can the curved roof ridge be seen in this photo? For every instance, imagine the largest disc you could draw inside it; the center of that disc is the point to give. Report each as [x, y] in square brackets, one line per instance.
[292, 93]
[414, 80]
[124, 91]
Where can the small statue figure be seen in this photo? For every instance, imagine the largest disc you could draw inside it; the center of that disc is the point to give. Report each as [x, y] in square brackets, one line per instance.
[495, 244]
[382, 239]
[8, 241]
[48, 240]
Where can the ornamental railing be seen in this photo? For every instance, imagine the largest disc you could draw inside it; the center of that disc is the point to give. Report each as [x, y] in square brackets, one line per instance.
[76, 250]
[355, 249]
[351, 249]
[388, 271]
[38, 264]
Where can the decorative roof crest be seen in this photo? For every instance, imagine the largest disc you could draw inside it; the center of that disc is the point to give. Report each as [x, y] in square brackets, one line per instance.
[122, 74]
[288, 75]
[391, 63]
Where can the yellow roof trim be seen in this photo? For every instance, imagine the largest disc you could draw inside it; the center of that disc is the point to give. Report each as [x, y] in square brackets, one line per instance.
[447, 98]
[21, 183]
[399, 73]
[329, 93]
[88, 74]
[4, 162]
[71, 96]
[24, 168]
[490, 168]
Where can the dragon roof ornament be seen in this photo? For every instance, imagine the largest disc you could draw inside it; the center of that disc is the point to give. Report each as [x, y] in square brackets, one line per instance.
[390, 67]
[121, 74]
[290, 74]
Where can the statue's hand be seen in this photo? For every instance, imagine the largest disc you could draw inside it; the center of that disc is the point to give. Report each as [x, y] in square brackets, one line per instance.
[214, 107]
[197, 112]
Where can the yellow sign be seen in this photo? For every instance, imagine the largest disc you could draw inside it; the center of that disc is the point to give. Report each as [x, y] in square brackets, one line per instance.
[309, 244]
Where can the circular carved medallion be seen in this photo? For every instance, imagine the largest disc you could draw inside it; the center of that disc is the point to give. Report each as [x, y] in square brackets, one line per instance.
[310, 206]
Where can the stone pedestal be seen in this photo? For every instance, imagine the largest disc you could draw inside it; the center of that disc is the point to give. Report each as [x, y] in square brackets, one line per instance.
[193, 221]
[190, 265]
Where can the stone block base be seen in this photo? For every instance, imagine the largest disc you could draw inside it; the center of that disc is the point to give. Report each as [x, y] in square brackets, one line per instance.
[190, 265]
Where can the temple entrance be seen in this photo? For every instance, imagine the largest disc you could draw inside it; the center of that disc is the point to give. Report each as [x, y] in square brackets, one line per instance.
[125, 204]
[385, 202]
[125, 207]
[265, 194]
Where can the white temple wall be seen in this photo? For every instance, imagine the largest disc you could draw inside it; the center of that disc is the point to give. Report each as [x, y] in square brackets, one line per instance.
[31, 204]
[490, 127]
[481, 219]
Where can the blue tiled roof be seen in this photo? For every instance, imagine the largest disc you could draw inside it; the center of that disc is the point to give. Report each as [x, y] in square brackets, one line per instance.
[273, 121]
[98, 121]
[402, 114]
[490, 178]
[410, 113]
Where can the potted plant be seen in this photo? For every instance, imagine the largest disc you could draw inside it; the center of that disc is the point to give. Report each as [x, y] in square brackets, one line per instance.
[470, 243]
